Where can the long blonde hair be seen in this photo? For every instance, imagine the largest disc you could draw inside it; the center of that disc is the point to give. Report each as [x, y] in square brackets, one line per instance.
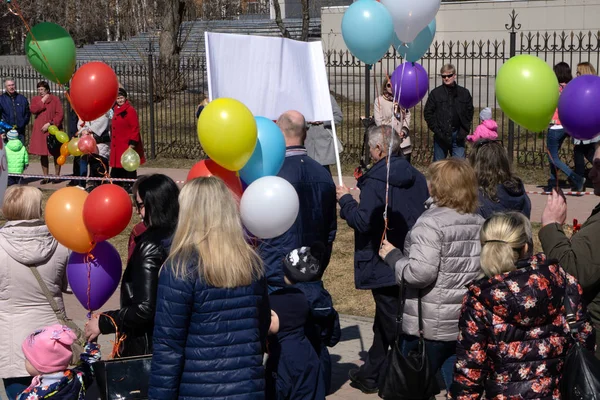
[503, 238]
[209, 232]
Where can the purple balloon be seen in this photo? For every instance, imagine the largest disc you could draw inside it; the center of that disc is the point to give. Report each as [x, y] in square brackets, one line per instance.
[411, 86]
[105, 274]
[578, 107]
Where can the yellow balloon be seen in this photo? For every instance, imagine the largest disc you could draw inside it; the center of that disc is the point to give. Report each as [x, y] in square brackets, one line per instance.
[227, 132]
[52, 129]
[62, 137]
[73, 149]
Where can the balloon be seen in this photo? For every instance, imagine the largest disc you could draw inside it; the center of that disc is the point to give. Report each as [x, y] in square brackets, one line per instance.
[64, 150]
[53, 129]
[93, 90]
[411, 16]
[227, 133]
[269, 207]
[62, 137]
[56, 60]
[3, 172]
[269, 153]
[211, 168]
[578, 107]
[87, 144]
[104, 275]
[73, 148]
[107, 211]
[416, 49]
[130, 160]
[64, 218]
[61, 160]
[367, 29]
[527, 91]
[411, 83]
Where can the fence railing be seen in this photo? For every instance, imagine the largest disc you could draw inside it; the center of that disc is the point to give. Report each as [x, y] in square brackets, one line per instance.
[169, 127]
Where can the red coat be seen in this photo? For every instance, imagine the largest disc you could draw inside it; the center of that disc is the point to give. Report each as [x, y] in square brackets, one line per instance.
[125, 131]
[49, 111]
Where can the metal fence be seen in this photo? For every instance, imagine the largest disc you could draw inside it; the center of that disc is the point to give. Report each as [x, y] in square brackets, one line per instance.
[167, 117]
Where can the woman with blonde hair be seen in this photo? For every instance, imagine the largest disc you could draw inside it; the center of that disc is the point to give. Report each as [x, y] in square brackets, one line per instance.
[441, 256]
[513, 330]
[25, 242]
[212, 314]
[386, 111]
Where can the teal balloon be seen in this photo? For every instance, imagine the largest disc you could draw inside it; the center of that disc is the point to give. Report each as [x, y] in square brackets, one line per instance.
[413, 51]
[269, 152]
[367, 29]
[53, 55]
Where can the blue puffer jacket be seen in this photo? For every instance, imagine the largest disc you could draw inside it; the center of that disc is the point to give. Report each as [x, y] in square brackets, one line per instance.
[15, 111]
[208, 342]
[407, 196]
[317, 218]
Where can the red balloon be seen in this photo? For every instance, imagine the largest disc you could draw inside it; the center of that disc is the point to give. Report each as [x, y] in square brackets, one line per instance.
[211, 168]
[87, 144]
[93, 90]
[107, 211]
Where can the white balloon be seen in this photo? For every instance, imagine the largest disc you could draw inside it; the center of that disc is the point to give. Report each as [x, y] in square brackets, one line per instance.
[411, 16]
[269, 207]
[3, 172]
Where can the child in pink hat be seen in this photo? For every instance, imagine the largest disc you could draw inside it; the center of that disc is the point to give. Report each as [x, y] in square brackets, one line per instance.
[47, 357]
[487, 129]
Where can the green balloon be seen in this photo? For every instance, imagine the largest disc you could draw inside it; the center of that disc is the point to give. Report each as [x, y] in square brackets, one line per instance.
[58, 49]
[62, 137]
[527, 91]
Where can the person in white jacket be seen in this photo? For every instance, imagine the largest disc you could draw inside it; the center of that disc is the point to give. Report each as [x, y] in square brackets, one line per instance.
[25, 242]
[97, 162]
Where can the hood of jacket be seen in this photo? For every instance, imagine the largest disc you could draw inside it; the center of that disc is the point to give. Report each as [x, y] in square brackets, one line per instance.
[402, 174]
[291, 307]
[27, 242]
[524, 297]
[14, 145]
[490, 124]
[511, 192]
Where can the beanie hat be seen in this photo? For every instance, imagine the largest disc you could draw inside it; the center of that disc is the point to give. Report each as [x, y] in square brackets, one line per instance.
[485, 114]
[49, 349]
[12, 134]
[122, 92]
[304, 264]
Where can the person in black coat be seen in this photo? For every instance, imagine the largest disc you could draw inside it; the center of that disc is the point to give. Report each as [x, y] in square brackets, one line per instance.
[407, 196]
[449, 114]
[499, 189]
[157, 203]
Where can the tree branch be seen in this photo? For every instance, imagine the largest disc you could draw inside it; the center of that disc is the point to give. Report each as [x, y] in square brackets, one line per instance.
[284, 32]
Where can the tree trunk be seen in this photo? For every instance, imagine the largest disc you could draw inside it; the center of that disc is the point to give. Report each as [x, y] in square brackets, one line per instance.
[305, 21]
[284, 32]
[168, 78]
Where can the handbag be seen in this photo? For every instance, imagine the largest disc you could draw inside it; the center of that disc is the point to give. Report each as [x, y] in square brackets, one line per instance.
[78, 346]
[581, 376]
[408, 376]
[123, 378]
[53, 144]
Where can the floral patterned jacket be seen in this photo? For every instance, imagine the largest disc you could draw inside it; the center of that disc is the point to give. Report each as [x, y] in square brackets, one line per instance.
[513, 333]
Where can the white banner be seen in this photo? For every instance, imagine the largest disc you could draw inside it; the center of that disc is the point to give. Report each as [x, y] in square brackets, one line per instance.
[269, 75]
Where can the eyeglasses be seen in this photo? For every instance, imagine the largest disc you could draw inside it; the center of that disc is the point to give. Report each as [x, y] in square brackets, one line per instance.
[389, 85]
[447, 76]
[139, 205]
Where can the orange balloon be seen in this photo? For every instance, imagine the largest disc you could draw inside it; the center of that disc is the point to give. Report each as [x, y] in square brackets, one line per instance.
[61, 160]
[64, 150]
[64, 218]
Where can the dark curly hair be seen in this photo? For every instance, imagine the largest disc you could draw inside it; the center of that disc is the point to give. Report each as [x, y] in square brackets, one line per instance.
[490, 161]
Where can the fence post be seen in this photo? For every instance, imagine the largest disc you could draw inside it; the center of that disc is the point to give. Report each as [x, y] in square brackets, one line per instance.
[512, 28]
[365, 147]
[151, 102]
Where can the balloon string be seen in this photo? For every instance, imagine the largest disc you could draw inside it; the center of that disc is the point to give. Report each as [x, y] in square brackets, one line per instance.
[103, 170]
[119, 339]
[89, 257]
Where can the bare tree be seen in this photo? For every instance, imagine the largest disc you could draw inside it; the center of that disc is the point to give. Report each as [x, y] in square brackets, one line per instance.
[168, 72]
[277, 7]
[305, 20]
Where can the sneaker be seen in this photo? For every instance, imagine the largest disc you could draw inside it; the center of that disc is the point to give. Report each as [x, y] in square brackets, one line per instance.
[360, 384]
[580, 186]
[73, 183]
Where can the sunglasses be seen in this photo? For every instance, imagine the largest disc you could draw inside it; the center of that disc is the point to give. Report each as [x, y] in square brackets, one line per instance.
[447, 76]
[389, 85]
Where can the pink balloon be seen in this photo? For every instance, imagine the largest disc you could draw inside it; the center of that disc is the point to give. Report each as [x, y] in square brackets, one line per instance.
[87, 144]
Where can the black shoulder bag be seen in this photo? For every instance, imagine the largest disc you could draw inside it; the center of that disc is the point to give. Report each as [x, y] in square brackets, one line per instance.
[581, 376]
[410, 376]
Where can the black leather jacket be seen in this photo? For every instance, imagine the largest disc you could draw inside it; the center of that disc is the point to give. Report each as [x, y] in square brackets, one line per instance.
[138, 293]
[438, 113]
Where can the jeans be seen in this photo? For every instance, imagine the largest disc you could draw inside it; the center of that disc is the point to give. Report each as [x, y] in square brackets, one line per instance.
[441, 151]
[442, 355]
[554, 141]
[582, 152]
[14, 386]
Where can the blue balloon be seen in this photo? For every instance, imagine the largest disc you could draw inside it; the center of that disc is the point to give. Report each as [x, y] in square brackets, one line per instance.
[368, 29]
[417, 48]
[269, 152]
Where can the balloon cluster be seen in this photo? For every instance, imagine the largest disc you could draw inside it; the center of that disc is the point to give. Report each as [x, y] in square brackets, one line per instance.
[253, 148]
[369, 27]
[83, 222]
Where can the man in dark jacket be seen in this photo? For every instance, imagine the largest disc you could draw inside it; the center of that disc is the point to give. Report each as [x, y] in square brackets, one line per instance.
[316, 221]
[449, 114]
[407, 195]
[579, 256]
[14, 108]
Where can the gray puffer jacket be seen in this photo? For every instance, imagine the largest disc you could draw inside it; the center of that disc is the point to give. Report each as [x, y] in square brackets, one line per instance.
[441, 258]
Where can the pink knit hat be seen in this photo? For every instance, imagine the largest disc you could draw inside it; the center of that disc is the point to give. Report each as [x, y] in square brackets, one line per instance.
[49, 349]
